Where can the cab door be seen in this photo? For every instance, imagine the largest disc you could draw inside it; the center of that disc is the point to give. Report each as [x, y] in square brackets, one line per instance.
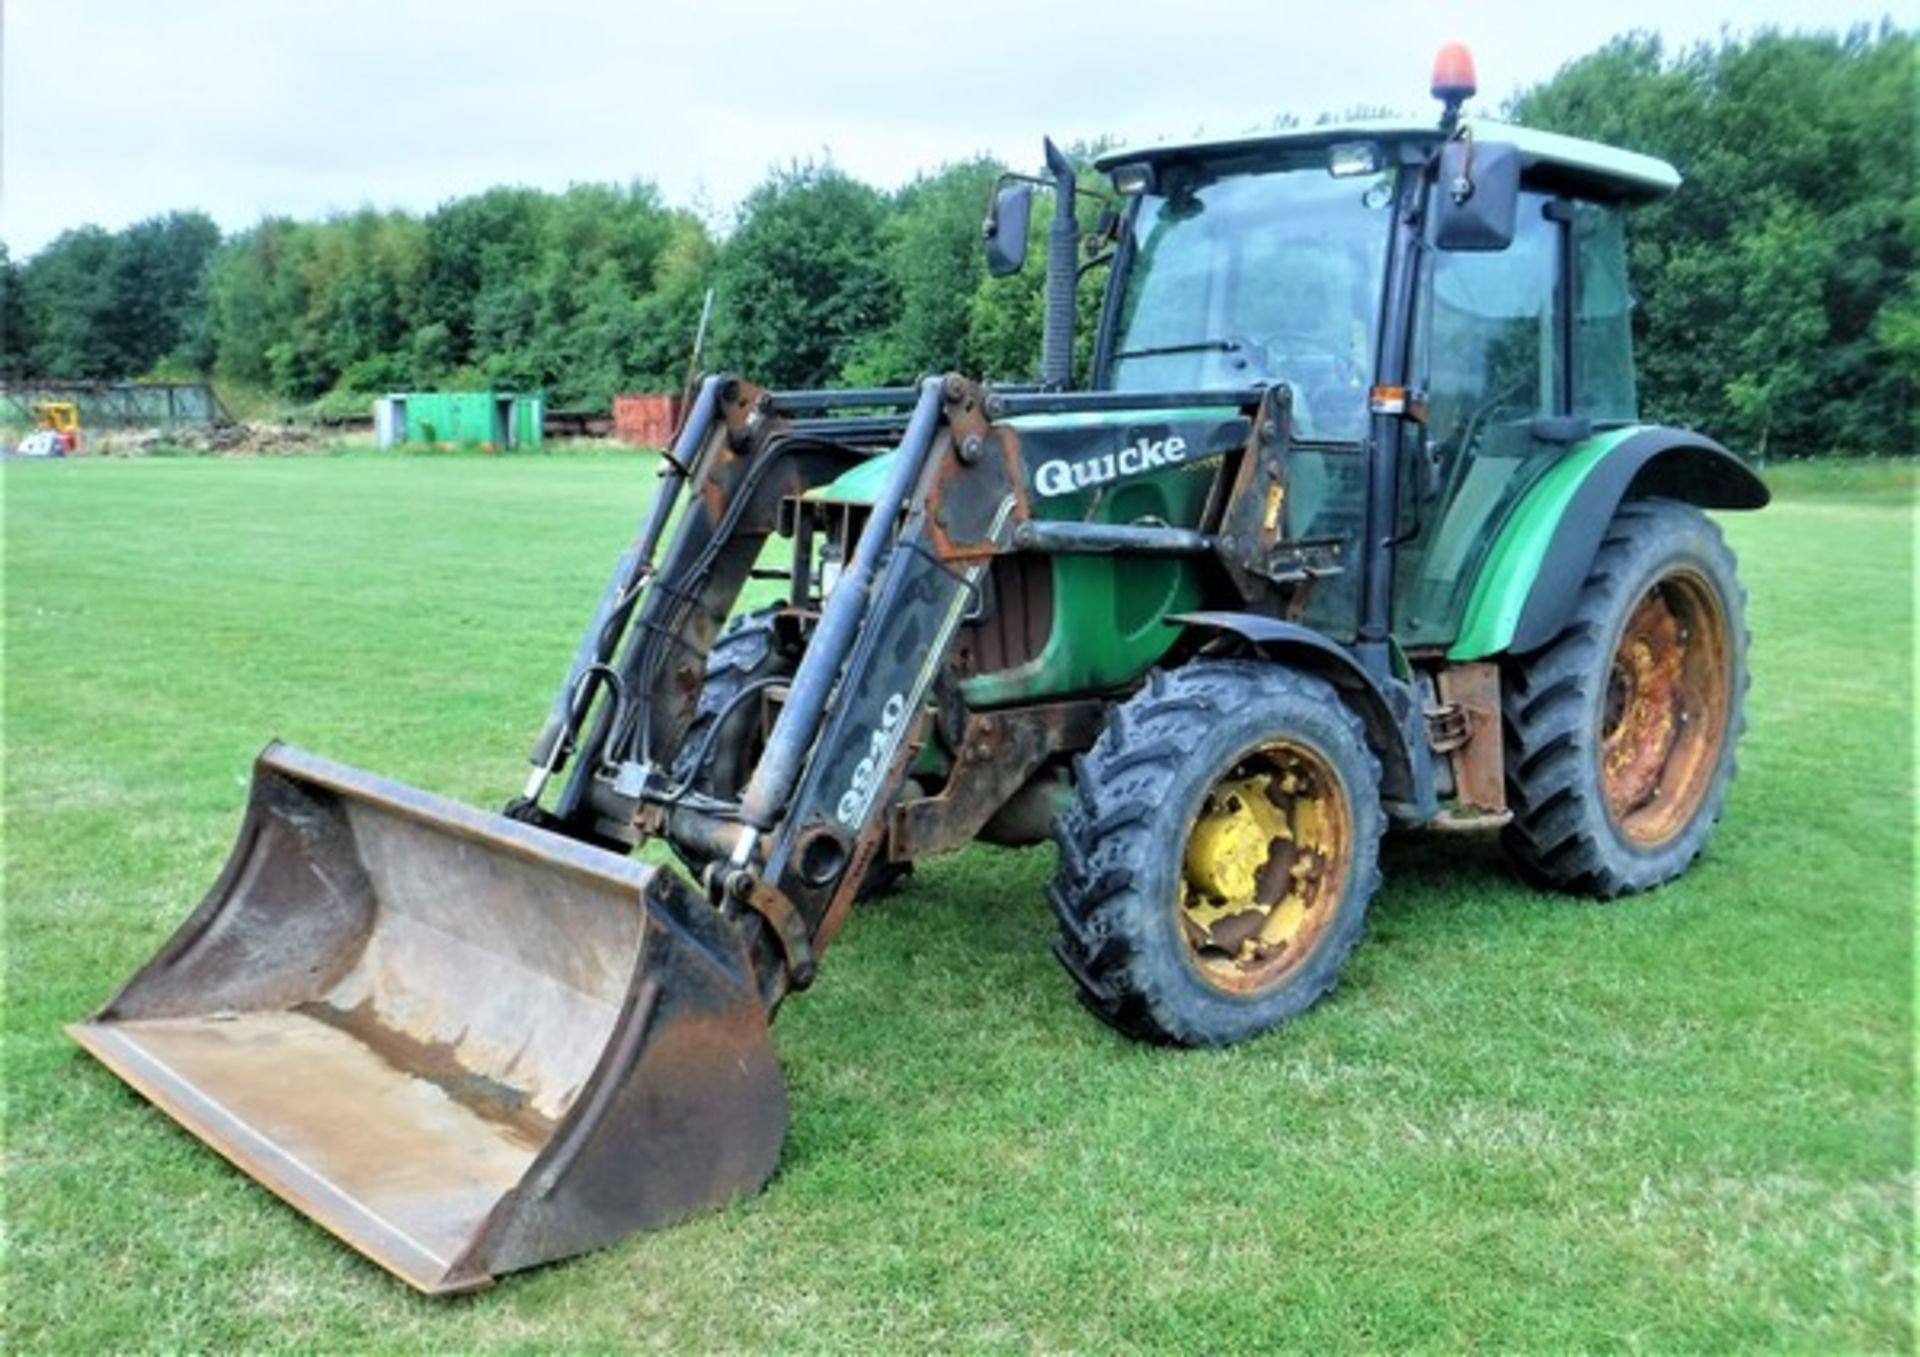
[1489, 341]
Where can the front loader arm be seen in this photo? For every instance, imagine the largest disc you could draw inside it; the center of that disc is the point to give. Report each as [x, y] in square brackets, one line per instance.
[791, 852]
[632, 687]
[964, 498]
[785, 859]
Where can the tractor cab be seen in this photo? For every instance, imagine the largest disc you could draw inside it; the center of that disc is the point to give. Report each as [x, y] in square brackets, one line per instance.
[1458, 291]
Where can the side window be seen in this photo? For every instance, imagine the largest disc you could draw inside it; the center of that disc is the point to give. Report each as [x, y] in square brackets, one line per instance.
[1602, 316]
[1489, 337]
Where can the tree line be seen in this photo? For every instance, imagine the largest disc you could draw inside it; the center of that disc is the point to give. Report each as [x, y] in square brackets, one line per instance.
[1777, 301]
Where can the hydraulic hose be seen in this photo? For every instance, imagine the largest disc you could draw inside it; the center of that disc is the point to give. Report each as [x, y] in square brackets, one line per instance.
[617, 600]
[799, 722]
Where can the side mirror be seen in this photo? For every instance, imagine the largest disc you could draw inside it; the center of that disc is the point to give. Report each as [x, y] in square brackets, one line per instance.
[1476, 195]
[1006, 229]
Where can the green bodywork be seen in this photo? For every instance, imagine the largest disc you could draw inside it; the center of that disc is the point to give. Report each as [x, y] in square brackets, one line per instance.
[1109, 619]
[859, 484]
[1109, 614]
[1500, 589]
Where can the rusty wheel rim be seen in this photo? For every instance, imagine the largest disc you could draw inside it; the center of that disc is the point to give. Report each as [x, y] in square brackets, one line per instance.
[1264, 867]
[1664, 713]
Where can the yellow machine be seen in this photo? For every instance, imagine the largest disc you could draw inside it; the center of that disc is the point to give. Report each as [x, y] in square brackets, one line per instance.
[58, 433]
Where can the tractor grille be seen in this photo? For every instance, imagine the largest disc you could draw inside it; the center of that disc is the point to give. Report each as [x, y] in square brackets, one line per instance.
[1017, 617]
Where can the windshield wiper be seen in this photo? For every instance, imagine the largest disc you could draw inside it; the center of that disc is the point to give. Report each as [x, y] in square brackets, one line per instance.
[1229, 345]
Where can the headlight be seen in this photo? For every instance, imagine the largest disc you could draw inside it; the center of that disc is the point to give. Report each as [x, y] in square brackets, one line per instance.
[1352, 157]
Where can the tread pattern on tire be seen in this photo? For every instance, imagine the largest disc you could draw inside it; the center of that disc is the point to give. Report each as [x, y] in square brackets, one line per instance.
[1111, 941]
[1560, 834]
[745, 645]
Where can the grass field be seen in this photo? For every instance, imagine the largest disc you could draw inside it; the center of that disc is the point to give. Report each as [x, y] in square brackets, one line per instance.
[1682, 1122]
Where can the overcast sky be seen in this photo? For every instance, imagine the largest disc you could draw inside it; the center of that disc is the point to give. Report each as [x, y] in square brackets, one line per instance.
[113, 110]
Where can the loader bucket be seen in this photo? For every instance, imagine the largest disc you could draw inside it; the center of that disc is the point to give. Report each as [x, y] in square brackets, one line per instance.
[462, 1044]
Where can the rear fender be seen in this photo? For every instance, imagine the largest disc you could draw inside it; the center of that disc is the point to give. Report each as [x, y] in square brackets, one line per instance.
[1547, 546]
[1390, 713]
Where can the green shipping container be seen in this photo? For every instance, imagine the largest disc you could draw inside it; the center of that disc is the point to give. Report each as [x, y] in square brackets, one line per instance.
[489, 419]
[529, 419]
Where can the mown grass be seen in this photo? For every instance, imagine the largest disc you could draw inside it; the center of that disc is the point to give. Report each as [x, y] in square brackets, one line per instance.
[1682, 1122]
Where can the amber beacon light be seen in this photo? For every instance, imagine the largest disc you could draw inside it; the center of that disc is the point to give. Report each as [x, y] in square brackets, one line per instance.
[1453, 82]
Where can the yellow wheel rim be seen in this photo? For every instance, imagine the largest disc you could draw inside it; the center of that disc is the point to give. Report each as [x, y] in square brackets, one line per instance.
[1264, 867]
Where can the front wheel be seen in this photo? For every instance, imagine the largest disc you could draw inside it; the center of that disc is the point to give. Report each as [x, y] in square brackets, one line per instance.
[1621, 731]
[1217, 861]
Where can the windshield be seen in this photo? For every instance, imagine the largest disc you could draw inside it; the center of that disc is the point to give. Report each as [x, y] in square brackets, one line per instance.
[1260, 277]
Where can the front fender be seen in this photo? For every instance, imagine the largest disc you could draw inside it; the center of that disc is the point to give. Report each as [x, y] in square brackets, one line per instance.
[1388, 711]
[1528, 584]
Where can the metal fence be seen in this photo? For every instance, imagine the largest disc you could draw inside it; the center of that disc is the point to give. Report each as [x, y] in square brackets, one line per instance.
[108, 404]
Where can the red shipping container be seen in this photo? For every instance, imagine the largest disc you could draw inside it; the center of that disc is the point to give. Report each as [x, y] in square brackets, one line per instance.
[645, 421]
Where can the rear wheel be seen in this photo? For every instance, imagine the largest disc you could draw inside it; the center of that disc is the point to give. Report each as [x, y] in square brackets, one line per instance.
[1621, 732]
[1216, 864]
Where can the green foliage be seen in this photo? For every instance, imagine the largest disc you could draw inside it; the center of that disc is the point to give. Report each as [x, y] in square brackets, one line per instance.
[347, 401]
[1777, 301]
[101, 304]
[932, 254]
[802, 281]
[160, 295]
[1005, 316]
[68, 301]
[256, 299]
[580, 294]
[16, 336]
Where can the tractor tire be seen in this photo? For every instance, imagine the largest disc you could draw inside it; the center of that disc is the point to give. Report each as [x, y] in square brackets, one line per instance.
[750, 649]
[1219, 854]
[1621, 732]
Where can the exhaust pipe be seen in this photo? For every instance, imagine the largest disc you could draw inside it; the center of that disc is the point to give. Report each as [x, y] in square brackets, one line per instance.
[1063, 245]
[461, 1043]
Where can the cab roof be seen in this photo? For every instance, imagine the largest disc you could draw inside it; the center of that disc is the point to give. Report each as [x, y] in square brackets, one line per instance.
[1585, 168]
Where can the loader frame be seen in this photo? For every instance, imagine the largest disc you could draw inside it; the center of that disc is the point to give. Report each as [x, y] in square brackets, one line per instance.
[788, 856]
[792, 850]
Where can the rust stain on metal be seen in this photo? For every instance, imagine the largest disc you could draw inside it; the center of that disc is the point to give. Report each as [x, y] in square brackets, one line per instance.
[997, 754]
[1265, 867]
[1479, 757]
[436, 1063]
[1017, 626]
[1245, 510]
[1665, 720]
[972, 472]
[458, 1042]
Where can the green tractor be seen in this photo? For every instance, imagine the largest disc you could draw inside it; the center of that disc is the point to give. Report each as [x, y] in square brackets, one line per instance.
[1351, 523]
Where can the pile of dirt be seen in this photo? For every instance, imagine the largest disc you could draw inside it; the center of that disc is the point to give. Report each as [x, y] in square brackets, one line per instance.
[232, 440]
